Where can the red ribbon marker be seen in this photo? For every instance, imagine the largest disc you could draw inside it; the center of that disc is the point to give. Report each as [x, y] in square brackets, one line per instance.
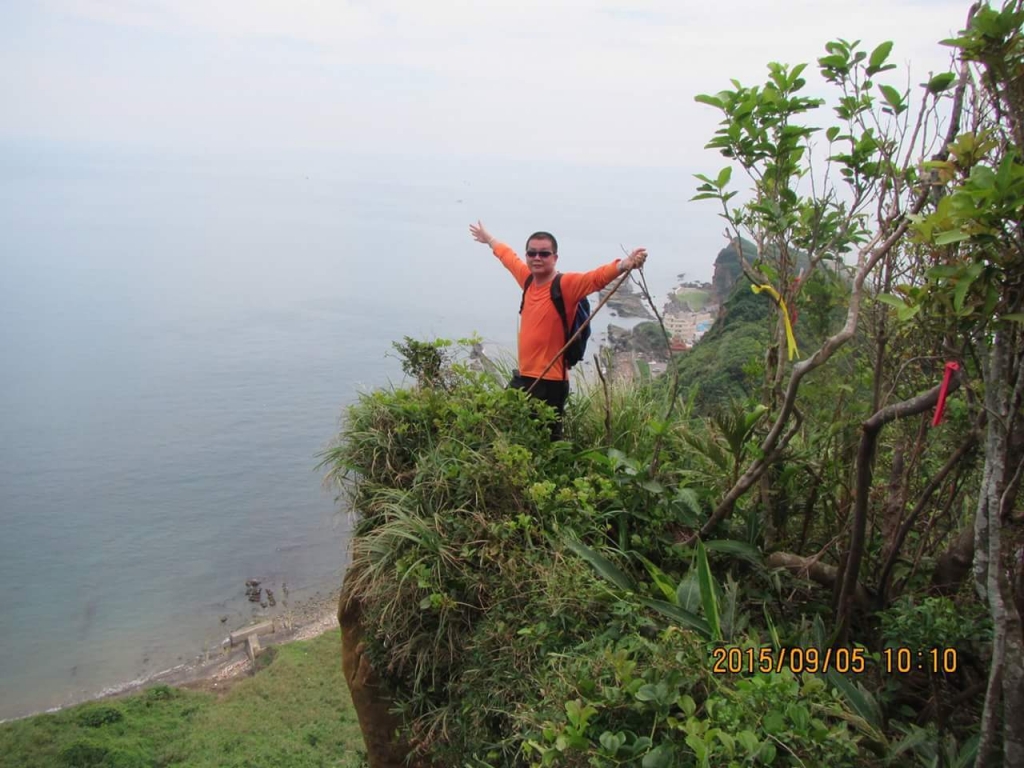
[940, 407]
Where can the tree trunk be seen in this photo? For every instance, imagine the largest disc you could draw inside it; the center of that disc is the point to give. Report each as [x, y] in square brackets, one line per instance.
[1004, 697]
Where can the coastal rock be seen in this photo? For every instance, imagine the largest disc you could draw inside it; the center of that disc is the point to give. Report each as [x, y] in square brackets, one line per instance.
[371, 701]
[253, 590]
[627, 303]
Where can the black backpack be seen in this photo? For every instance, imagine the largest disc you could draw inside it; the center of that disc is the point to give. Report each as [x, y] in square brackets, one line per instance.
[578, 348]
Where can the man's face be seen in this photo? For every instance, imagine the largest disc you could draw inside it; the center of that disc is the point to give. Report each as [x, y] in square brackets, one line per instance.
[541, 258]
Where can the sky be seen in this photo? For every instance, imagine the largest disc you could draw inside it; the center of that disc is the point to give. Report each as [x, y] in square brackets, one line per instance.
[578, 81]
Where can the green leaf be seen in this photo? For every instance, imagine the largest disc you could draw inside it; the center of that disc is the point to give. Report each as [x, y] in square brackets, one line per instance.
[941, 271]
[1015, 317]
[878, 57]
[892, 97]
[748, 740]
[862, 702]
[740, 549]
[723, 177]
[712, 101]
[578, 714]
[951, 236]
[941, 82]
[968, 753]
[708, 595]
[832, 132]
[773, 723]
[833, 62]
[687, 704]
[799, 715]
[907, 312]
[727, 741]
[688, 498]
[642, 743]
[647, 692]
[605, 568]
[687, 594]
[892, 301]
[659, 757]
[661, 579]
[916, 738]
[612, 742]
[964, 285]
[643, 369]
[679, 615]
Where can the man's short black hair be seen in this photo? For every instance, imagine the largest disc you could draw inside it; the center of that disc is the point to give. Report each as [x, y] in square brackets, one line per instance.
[543, 236]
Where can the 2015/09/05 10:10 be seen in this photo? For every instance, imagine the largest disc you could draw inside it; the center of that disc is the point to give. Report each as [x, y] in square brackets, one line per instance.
[765, 659]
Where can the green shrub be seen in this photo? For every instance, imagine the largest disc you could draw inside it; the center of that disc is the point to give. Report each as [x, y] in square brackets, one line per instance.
[97, 716]
[160, 693]
[529, 601]
[83, 753]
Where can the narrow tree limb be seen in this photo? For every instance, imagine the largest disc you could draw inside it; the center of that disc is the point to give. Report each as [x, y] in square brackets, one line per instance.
[865, 460]
[811, 568]
[659, 441]
[922, 502]
[607, 402]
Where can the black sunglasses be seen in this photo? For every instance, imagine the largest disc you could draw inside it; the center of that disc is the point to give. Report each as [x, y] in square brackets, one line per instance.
[543, 254]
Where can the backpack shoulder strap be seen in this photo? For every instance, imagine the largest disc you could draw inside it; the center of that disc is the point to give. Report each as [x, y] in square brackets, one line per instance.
[556, 297]
[559, 302]
[526, 287]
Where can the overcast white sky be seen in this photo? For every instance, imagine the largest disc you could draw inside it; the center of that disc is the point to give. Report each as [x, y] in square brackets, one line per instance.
[575, 80]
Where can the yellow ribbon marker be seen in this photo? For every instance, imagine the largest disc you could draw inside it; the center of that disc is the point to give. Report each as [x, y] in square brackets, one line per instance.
[790, 339]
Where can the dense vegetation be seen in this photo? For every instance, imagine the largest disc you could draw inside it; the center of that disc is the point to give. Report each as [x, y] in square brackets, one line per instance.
[625, 597]
[294, 713]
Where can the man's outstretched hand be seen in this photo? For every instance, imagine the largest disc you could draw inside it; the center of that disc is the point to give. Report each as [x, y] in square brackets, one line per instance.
[634, 260]
[480, 234]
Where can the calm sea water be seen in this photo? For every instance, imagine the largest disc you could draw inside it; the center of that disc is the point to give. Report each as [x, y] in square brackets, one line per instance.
[178, 338]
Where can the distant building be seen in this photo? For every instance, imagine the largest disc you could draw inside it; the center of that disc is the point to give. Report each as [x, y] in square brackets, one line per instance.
[681, 326]
[688, 327]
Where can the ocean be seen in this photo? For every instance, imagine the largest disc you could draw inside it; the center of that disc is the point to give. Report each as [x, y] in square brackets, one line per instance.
[179, 336]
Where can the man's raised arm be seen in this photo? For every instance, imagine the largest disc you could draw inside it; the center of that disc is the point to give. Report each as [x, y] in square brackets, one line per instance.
[506, 255]
[579, 284]
[481, 235]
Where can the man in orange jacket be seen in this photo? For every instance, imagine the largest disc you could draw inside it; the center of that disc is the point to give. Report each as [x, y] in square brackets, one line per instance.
[541, 334]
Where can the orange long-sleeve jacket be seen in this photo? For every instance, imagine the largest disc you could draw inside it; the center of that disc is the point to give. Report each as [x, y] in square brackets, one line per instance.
[540, 328]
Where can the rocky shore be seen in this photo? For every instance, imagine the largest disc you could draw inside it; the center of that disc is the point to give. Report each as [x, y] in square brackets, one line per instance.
[217, 670]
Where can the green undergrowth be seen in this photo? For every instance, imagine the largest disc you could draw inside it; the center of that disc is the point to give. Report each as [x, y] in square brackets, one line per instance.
[531, 602]
[295, 712]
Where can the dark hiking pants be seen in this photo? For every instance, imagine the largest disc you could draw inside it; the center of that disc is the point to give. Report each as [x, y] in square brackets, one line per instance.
[552, 391]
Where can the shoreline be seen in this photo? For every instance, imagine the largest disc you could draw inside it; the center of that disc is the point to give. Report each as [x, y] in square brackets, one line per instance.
[217, 671]
[310, 618]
